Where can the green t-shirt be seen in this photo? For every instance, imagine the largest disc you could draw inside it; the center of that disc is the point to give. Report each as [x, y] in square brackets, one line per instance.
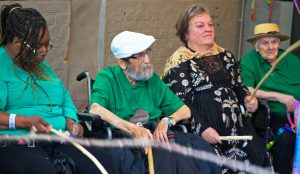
[284, 79]
[113, 91]
[31, 99]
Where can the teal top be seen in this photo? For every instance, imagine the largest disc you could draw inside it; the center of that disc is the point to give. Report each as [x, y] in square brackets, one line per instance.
[33, 99]
[284, 79]
[113, 91]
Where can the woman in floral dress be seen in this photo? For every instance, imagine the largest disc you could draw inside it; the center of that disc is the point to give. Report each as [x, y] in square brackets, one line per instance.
[205, 76]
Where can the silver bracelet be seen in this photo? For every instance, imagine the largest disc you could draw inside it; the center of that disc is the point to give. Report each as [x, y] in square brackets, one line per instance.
[170, 121]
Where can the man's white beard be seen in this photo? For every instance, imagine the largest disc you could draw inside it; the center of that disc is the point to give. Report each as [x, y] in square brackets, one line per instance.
[144, 73]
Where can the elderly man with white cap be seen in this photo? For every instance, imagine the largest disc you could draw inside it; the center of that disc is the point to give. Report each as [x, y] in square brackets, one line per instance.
[132, 90]
[281, 89]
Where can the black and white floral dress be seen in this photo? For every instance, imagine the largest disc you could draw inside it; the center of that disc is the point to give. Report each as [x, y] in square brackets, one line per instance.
[212, 87]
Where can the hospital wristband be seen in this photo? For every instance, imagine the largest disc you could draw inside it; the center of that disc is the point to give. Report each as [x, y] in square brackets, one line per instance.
[12, 121]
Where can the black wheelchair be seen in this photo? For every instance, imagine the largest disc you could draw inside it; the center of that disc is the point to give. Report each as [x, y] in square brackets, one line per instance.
[94, 126]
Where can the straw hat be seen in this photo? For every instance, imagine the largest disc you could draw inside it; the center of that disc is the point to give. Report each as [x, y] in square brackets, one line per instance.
[265, 30]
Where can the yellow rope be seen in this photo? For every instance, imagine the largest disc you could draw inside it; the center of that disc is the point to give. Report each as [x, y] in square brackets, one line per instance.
[83, 150]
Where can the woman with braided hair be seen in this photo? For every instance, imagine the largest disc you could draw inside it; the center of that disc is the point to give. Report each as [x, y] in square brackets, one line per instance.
[33, 97]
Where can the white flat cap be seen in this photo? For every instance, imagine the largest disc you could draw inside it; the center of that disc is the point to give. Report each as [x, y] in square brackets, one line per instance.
[128, 43]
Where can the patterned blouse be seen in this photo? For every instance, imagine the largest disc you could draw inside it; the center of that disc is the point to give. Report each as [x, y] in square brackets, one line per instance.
[211, 86]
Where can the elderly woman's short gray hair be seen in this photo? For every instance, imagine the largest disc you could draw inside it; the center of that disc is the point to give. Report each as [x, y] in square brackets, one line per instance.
[182, 24]
[256, 42]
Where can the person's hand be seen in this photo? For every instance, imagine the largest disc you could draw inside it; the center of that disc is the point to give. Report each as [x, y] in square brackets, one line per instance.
[160, 133]
[141, 133]
[251, 105]
[288, 100]
[211, 135]
[74, 128]
[33, 122]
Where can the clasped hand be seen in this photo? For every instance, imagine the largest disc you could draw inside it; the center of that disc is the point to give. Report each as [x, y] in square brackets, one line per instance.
[251, 104]
[39, 125]
[160, 133]
[74, 128]
[288, 100]
[34, 122]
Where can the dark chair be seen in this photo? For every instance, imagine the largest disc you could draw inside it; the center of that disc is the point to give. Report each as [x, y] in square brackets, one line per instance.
[92, 124]
[261, 124]
[261, 121]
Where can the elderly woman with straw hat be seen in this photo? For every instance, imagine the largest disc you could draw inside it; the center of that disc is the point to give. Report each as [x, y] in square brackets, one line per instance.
[281, 89]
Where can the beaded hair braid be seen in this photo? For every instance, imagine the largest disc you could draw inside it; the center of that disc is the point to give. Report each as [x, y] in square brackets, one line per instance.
[28, 25]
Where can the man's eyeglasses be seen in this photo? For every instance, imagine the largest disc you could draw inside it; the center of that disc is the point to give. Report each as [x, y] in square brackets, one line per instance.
[141, 56]
[49, 46]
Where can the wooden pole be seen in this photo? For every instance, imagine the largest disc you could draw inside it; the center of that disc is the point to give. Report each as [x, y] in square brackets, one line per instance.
[150, 160]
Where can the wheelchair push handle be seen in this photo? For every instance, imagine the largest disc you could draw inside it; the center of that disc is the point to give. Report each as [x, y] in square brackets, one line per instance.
[83, 75]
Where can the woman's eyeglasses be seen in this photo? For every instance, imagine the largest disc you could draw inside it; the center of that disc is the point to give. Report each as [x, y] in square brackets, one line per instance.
[49, 46]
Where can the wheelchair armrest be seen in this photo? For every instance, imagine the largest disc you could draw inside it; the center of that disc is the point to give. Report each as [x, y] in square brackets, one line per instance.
[94, 121]
[83, 116]
[92, 118]
[181, 126]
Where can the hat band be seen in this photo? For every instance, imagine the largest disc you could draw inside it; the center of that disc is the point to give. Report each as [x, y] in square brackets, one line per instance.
[276, 34]
[272, 32]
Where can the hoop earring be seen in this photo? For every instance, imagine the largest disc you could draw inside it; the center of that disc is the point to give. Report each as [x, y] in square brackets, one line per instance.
[13, 9]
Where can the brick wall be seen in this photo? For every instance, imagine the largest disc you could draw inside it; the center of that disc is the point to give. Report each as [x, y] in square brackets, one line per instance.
[74, 28]
[83, 47]
[158, 18]
[76, 47]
